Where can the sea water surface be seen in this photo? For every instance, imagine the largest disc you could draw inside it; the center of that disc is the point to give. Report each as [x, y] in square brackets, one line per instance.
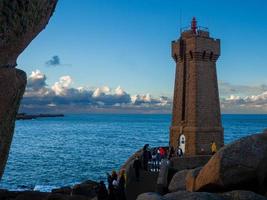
[54, 152]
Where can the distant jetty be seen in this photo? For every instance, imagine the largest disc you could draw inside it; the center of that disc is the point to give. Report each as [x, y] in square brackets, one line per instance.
[24, 116]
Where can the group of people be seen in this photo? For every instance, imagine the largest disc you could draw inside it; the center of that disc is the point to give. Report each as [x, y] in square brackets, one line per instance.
[150, 161]
[152, 157]
[116, 187]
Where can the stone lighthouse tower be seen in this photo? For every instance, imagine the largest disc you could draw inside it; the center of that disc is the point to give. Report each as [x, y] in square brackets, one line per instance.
[196, 117]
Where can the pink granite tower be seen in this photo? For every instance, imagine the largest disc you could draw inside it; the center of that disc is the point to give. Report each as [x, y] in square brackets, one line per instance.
[196, 117]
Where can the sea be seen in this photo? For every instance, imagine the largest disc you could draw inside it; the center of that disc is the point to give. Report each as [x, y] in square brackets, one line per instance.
[47, 153]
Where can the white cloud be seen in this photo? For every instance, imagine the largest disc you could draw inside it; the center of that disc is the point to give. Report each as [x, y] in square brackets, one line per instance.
[61, 87]
[247, 104]
[61, 94]
[119, 91]
[227, 89]
[101, 91]
[38, 95]
[36, 80]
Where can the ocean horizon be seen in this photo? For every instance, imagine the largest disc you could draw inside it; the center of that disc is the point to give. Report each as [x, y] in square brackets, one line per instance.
[48, 153]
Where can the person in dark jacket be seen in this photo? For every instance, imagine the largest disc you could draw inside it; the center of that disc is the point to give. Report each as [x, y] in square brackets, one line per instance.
[102, 193]
[121, 185]
[137, 166]
[171, 153]
[154, 160]
[146, 156]
[111, 187]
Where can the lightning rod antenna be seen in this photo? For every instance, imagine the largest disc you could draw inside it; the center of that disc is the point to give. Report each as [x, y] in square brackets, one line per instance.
[180, 21]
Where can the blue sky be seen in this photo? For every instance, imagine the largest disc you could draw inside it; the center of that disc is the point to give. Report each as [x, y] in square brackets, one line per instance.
[127, 43]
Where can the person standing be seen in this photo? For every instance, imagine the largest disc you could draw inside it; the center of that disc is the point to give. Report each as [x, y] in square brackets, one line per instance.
[158, 160]
[112, 185]
[213, 148]
[102, 193]
[146, 156]
[154, 160]
[171, 153]
[137, 166]
[122, 185]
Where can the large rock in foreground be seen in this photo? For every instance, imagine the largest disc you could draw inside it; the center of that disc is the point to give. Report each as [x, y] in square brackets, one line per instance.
[184, 195]
[88, 188]
[150, 196]
[178, 181]
[241, 195]
[190, 179]
[239, 165]
[21, 21]
[12, 86]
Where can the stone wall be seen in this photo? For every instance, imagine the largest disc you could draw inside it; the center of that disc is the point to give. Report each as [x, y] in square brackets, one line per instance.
[196, 106]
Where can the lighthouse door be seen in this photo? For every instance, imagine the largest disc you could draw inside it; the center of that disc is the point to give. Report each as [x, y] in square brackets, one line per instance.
[182, 142]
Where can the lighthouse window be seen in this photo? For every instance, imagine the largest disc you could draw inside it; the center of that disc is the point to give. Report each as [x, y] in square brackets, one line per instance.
[211, 55]
[191, 54]
[204, 54]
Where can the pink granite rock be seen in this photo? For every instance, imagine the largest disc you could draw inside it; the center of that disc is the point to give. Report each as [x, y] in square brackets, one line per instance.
[12, 86]
[21, 21]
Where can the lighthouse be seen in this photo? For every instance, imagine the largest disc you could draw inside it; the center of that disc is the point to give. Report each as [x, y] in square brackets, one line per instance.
[196, 115]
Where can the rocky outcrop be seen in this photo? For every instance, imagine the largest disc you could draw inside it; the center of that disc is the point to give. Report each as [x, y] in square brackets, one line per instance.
[83, 191]
[12, 86]
[236, 166]
[190, 180]
[63, 190]
[87, 188]
[184, 195]
[150, 196]
[65, 197]
[21, 21]
[178, 181]
[35, 195]
[162, 180]
[242, 195]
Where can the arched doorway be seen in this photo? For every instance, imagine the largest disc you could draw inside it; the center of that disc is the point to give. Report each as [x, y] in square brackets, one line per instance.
[182, 142]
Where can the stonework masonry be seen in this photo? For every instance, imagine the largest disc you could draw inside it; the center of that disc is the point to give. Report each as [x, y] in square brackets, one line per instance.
[196, 107]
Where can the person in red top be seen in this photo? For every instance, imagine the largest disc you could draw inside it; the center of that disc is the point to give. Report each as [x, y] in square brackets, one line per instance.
[162, 152]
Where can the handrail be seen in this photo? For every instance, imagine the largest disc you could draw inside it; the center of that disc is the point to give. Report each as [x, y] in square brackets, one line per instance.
[199, 28]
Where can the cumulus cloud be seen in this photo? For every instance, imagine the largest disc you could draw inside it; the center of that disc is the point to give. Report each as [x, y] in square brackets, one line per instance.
[247, 104]
[40, 97]
[227, 89]
[63, 97]
[54, 61]
[62, 86]
[36, 80]
[147, 100]
[243, 98]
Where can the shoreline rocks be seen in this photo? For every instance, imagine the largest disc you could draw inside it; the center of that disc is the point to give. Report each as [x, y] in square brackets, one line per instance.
[82, 191]
[185, 195]
[178, 181]
[236, 166]
[237, 171]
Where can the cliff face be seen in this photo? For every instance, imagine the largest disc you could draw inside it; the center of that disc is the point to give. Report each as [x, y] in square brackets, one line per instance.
[21, 21]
